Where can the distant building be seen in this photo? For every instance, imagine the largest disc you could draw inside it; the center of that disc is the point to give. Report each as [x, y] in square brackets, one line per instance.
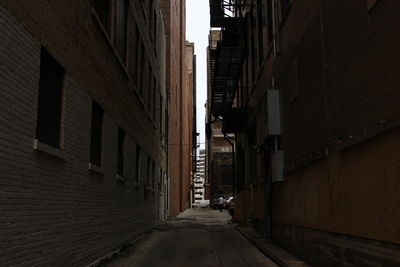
[180, 105]
[199, 178]
[218, 149]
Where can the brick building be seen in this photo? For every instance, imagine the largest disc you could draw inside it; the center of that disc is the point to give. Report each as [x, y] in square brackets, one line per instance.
[191, 67]
[180, 103]
[325, 185]
[218, 148]
[199, 178]
[83, 128]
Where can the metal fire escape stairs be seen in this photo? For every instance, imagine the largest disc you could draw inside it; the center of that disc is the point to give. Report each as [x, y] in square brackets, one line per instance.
[226, 60]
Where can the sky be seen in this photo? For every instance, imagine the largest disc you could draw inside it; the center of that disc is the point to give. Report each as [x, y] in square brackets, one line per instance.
[197, 29]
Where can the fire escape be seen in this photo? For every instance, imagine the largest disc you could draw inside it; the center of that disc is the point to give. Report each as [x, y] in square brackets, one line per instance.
[226, 59]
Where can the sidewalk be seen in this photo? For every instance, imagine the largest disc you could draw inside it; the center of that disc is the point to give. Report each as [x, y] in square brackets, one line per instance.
[276, 253]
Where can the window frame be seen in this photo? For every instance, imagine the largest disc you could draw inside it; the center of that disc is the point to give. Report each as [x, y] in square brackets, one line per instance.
[52, 74]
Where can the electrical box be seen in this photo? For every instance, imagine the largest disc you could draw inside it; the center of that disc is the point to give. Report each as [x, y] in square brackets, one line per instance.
[277, 164]
[272, 113]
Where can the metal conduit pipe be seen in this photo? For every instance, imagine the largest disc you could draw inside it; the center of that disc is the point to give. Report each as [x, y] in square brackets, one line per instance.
[233, 164]
[275, 140]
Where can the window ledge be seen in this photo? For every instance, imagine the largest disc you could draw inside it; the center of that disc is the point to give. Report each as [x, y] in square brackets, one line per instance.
[95, 168]
[49, 150]
[119, 178]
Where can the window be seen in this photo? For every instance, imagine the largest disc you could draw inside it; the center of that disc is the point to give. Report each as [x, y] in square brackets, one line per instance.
[153, 174]
[140, 65]
[260, 25]
[148, 170]
[103, 11]
[137, 164]
[121, 140]
[160, 114]
[113, 16]
[48, 129]
[154, 99]
[121, 28]
[136, 56]
[148, 87]
[96, 134]
[155, 35]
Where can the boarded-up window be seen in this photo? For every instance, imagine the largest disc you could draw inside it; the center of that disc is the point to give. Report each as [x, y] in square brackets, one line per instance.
[48, 129]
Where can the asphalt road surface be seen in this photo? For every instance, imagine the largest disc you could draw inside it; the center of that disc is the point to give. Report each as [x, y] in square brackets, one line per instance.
[197, 237]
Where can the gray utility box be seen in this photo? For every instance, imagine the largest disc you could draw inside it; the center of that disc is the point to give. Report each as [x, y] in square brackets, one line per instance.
[272, 109]
[277, 165]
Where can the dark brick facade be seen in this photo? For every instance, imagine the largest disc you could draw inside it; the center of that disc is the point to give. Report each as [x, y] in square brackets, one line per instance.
[54, 209]
[337, 71]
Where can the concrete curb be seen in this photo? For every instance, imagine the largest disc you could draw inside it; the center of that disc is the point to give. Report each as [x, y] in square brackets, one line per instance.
[274, 252]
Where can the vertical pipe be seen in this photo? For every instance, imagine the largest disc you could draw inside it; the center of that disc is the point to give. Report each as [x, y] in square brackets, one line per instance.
[233, 164]
[275, 140]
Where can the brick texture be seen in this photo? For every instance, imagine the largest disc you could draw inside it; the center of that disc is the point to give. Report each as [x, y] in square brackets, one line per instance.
[55, 211]
[180, 105]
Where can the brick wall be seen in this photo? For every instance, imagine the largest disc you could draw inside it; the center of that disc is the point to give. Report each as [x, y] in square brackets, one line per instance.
[54, 210]
[180, 121]
[338, 73]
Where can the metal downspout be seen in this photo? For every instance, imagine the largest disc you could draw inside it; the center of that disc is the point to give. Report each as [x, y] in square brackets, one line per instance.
[273, 84]
[233, 165]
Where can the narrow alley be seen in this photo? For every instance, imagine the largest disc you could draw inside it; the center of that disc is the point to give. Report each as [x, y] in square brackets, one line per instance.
[197, 237]
[126, 124]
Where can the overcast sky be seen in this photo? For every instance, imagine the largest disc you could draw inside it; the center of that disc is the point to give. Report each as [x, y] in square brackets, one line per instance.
[197, 28]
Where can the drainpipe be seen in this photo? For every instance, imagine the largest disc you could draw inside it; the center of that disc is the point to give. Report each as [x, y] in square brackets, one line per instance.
[233, 164]
[275, 147]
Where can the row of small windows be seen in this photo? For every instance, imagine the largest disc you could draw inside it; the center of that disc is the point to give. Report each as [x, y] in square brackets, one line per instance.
[50, 117]
[113, 16]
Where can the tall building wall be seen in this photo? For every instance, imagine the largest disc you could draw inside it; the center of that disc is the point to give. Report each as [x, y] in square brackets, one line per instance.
[57, 206]
[179, 103]
[343, 110]
[337, 74]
